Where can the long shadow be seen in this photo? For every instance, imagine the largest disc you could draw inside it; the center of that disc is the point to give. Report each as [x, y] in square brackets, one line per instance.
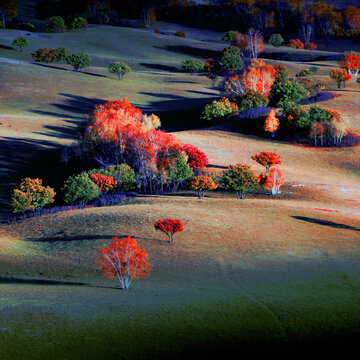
[192, 51]
[67, 238]
[161, 67]
[326, 223]
[5, 280]
[48, 66]
[6, 47]
[180, 81]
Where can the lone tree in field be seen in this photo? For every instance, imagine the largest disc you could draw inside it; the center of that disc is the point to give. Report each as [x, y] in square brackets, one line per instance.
[267, 159]
[240, 179]
[125, 260]
[193, 66]
[341, 76]
[202, 184]
[21, 42]
[55, 24]
[271, 123]
[8, 10]
[119, 68]
[79, 61]
[351, 62]
[169, 227]
[30, 194]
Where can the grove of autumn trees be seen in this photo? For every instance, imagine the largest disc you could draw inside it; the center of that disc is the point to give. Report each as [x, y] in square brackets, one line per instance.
[8, 10]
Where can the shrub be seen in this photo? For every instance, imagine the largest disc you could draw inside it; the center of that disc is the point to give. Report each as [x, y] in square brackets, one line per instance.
[55, 23]
[104, 182]
[311, 84]
[202, 184]
[25, 26]
[252, 99]
[287, 91]
[196, 158]
[181, 33]
[231, 59]
[21, 42]
[314, 69]
[78, 23]
[169, 227]
[296, 44]
[30, 194]
[157, 31]
[79, 61]
[229, 36]
[124, 260]
[192, 65]
[151, 121]
[46, 55]
[276, 40]
[124, 175]
[79, 189]
[310, 46]
[297, 118]
[240, 179]
[267, 159]
[218, 109]
[62, 53]
[305, 73]
[281, 72]
[119, 68]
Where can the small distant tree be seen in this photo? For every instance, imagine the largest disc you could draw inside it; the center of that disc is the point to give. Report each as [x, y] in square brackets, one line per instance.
[149, 17]
[218, 109]
[124, 260]
[78, 23]
[55, 24]
[229, 36]
[193, 66]
[79, 189]
[119, 68]
[276, 40]
[271, 123]
[281, 72]
[212, 67]
[169, 227]
[239, 178]
[62, 53]
[46, 55]
[79, 61]
[30, 194]
[310, 46]
[8, 10]
[255, 41]
[274, 181]
[341, 76]
[21, 42]
[202, 184]
[267, 159]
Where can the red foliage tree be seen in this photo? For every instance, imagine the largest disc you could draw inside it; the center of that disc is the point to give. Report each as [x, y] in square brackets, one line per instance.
[310, 46]
[341, 76]
[202, 184]
[169, 227]
[212, 67]
[267, 159]
[125, 260]
[296, 44]
[104, 182]
[351, 62]
[274, 180]
[196, 158]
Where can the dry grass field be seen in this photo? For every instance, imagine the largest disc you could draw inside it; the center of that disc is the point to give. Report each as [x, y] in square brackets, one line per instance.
[253, 275]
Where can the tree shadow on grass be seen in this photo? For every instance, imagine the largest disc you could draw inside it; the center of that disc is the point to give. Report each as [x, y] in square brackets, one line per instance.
[192, 51]
[326, 223]
[69, 238]
[161, 67]
[48, 66]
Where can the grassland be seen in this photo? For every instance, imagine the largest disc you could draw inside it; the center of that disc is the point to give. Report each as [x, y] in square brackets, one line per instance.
[249, 276]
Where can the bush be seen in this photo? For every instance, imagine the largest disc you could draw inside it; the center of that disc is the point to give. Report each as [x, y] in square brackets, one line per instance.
[287, 91]
[314, 69]
[231, 59]
[202, 184]
[157, 31]
[239, 178]
[310, 46]
[21, 42]
[169, 227]
[79, 189]
[196, 158]
[25, 26]
[55, 23]
[124, 175]
[311, 84]
[229, 36]
[305, 73]
[276, 40]
[281, 72]
[218, 109]
[193, 65]
[104, 182]
[297, 118]
[181, 33]
[30, 194]
[46, 55]
[78, 23]
[252, 99]
[63, 53]
[119, 68]
[79, 61]
[296, 44]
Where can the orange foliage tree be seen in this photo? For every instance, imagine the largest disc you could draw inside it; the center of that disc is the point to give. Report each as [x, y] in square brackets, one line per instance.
[296, 44]
[169, 227]
[327, 20]
[351, 62]
[274, 180]
[104, 182]
[125, 260]
[341, 76]
[267, 159]
[271, 123]
[202, 184]
[351, 17]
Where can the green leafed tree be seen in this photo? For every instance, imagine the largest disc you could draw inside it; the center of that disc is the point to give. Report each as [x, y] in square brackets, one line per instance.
[119, 68]
[79, 189]
[55, 24]
[79, 61]
[21, 42]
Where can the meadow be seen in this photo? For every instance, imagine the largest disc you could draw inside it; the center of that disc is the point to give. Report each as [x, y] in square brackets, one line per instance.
[247, 276]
